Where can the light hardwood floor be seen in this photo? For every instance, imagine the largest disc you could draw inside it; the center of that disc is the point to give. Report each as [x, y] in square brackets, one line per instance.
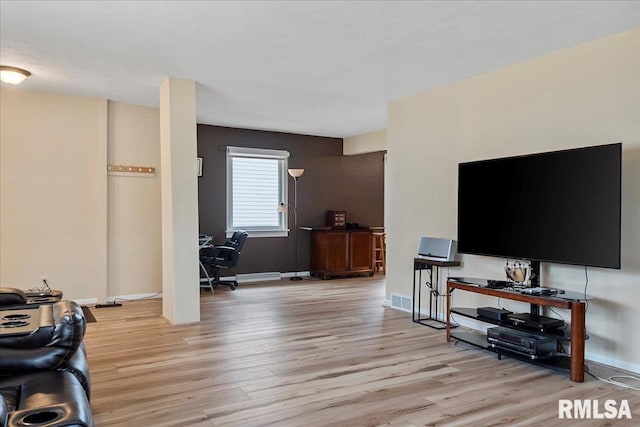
[313, 353]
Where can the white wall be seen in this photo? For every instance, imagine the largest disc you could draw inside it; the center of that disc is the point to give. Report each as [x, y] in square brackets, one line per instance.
[581, 96]
[52, 173]
[49, 173]
[134, 217]
[366, 143]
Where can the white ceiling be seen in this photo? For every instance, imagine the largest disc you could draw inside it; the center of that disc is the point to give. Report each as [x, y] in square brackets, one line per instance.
[317, 67]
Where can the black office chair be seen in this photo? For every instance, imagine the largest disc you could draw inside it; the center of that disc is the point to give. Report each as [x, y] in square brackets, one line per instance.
[224, 256]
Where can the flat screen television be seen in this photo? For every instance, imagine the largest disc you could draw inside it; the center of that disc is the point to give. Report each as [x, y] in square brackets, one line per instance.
[560, 207]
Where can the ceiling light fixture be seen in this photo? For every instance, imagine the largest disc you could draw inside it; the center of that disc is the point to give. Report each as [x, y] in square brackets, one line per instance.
[13, 75]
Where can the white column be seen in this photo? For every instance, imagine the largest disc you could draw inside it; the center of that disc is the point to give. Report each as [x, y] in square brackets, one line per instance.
[102, 237]
[178, 152]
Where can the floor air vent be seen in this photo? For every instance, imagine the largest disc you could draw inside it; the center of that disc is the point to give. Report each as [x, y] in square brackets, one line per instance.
[401, 302]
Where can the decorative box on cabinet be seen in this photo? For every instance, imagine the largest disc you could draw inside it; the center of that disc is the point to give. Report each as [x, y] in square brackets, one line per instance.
[341, 252]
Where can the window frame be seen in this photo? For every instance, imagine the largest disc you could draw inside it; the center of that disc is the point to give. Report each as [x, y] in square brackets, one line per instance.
[282, 156]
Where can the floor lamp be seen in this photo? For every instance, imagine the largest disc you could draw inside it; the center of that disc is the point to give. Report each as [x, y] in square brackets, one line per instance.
[295, 174]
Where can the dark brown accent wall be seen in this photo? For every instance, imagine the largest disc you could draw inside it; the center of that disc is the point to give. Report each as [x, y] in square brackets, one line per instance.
[331, 181]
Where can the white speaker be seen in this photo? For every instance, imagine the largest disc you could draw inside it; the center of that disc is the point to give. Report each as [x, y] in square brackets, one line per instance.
[437, 249]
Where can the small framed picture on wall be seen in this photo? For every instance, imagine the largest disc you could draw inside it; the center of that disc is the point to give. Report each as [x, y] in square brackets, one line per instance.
[199, 166]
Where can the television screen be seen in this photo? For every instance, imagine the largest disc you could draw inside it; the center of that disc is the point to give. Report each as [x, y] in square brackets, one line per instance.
[562, 206]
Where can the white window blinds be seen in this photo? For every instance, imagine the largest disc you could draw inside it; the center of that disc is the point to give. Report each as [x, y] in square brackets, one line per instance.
[256, 185]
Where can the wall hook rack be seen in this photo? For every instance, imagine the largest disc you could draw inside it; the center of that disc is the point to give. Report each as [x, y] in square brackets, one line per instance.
[126, 170]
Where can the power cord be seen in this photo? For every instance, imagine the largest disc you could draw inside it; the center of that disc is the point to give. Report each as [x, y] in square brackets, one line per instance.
[613, 381]
[434, 290]
[115, 302]
[44, 290]
[138, 299]
[560, 316]
[586, 283]
[454, 322]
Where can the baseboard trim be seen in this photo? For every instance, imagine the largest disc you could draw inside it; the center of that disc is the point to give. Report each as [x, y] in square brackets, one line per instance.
[241, 278]
[631, 367]
[260, 277]
[293, 273]
[119, 298]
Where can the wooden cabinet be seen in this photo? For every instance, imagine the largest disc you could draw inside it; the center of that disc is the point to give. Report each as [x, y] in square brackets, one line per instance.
[341, 253]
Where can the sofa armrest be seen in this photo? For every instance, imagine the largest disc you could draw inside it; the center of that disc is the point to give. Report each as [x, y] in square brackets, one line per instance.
[12, 296]
[21, 356]
[78, 366]
[4, 412]
[50, 394]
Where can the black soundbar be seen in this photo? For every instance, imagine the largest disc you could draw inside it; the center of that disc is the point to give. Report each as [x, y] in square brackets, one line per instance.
[497, 314]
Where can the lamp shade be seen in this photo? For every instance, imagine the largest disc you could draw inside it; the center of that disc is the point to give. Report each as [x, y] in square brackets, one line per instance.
[13, 75]
[296, 173]
[282, 207]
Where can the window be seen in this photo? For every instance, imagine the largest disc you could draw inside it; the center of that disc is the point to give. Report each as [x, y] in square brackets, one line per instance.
[256, 185]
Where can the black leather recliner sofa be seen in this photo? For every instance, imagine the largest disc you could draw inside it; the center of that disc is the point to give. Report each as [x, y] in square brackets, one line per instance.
[44, 376]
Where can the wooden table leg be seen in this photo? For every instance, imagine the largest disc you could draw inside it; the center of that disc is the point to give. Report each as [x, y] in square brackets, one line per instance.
[578, 336]
[448, 296]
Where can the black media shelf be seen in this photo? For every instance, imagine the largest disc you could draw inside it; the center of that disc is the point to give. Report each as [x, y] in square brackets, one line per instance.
[472, 313]
[556, 362]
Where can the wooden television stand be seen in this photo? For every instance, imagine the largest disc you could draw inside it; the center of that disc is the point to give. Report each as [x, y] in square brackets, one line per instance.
[570, 300]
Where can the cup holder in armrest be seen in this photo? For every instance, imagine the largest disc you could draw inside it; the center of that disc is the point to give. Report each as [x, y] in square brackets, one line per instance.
[45, 399]
[40, 418]
[23, 321]
[40, 300]
[13, 324]
[17, 316]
